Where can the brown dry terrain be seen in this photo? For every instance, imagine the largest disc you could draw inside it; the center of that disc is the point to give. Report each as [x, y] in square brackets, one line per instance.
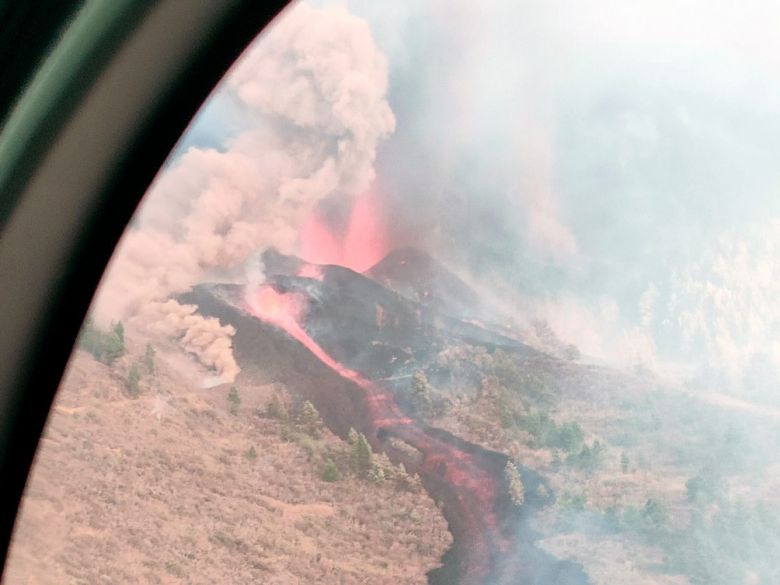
[170, 487]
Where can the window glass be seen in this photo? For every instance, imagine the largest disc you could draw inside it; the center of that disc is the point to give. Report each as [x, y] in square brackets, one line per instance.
[442, 292]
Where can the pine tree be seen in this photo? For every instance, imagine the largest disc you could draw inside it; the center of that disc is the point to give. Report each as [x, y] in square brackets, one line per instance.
[376, 474]
[276, 408]
[654, 513]
[105, 346]
[624, 462]
[133, 380]
[421, 393]
[406, 481]
[309, 418]
[149, 358]
[360, 453]
[415, 483]
[119, 331]
[389, 470]
[506, 415]
[251, 453]
[542, 492]
[234, 401]
[113, 344]
[516, 490]
[330, 472]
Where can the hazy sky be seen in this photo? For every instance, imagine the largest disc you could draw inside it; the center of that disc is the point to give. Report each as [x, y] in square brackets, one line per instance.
[614, 163]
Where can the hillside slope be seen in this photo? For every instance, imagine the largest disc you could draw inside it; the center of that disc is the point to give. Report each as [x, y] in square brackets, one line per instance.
[169, 487]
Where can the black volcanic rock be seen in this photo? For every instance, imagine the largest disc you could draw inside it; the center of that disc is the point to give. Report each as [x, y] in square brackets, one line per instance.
[370, 328]
[274, 262]
[419, 277]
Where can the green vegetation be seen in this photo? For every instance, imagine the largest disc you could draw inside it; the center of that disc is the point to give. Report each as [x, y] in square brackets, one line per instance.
[706, 534]
[624, 462]
[309, 419]
[133, 381]
[731, 545]
[589, 457]
[572, 502]
[119, 330]
[545, 433]
[421, 394]
[654, 513]
[251, 453]
[105, 346]
[530, 386]
[504, 410]
[725, 542]
[234, 401]
[149, 359]
[376, 474]
[330, 472]
[277, 408]
[571, 352]
[360, 453]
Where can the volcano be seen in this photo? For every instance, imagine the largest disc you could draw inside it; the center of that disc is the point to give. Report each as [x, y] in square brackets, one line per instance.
[350, 343]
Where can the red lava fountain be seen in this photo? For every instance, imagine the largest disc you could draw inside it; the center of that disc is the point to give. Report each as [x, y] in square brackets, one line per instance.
[360, 245]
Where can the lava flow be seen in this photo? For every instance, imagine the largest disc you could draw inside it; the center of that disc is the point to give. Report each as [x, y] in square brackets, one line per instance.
[349, 343]
[284, 311]
[470, 492]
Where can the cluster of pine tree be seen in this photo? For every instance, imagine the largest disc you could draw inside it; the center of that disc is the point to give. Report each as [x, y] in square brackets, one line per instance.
[303, 417]
[105, 346]
[377, 468]
[108, 346]
[302, 423]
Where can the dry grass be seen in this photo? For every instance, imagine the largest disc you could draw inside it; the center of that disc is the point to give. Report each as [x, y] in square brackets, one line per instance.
[159, 489]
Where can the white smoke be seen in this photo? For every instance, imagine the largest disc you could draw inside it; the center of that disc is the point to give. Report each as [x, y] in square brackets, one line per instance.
[312, 98]
[725, 309]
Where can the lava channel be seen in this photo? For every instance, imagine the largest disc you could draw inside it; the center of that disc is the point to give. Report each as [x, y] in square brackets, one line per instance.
[471, 493]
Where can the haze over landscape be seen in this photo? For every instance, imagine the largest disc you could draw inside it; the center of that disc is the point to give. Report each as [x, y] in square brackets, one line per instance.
[504, 274]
